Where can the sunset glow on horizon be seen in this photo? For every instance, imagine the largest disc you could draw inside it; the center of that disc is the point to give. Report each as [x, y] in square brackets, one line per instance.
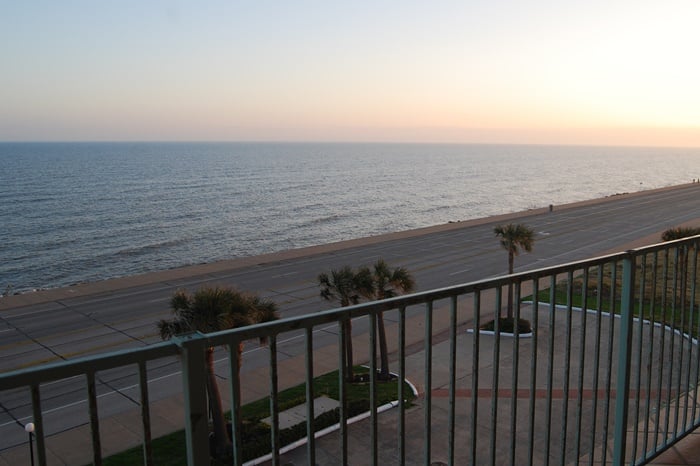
[573, 72]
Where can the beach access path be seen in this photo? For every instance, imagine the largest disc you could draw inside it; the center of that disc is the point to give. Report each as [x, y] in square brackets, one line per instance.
[121, 313]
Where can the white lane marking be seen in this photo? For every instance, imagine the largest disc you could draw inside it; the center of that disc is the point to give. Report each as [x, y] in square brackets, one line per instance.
[460, 271]
[60, 380]
[285, 274]
[31, 313]
[7, 330]
[159, 300]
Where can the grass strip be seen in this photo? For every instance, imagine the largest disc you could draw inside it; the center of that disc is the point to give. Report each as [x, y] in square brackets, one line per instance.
[665, 282]
[170, 449]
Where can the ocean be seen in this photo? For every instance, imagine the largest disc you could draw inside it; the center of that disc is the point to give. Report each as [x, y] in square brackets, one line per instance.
[82, 212]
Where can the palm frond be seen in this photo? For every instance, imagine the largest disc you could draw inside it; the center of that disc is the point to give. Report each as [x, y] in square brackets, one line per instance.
[213, 309]
[513, 237]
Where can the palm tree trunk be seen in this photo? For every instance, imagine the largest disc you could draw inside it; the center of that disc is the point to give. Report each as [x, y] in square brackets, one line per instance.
[682, 275]
[239, 357]
[511, 260]
[221, 441]
[383, 350]
[348, 351]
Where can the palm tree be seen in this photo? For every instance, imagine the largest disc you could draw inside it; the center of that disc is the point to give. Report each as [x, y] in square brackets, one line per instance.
[210, 310]
[679, 232]
[387, 283]
[514, 237]
[345, 286]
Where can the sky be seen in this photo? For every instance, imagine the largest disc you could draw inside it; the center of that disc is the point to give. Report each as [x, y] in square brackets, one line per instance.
[483, 71]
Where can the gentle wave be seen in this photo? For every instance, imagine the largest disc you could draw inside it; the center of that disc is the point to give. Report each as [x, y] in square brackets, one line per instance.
[150, 248]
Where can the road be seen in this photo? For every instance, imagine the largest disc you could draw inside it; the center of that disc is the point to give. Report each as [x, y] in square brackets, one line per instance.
[58, 326]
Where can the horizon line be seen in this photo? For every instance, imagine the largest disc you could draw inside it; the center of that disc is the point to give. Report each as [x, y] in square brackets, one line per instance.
[339, 142]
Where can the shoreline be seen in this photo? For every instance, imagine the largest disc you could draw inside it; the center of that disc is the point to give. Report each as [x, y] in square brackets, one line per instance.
[118, 283]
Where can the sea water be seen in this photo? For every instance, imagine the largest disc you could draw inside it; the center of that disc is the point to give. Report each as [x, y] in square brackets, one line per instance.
[81, 212]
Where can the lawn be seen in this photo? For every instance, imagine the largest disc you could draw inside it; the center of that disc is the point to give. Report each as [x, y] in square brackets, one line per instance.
[660, 284]
[170, 449]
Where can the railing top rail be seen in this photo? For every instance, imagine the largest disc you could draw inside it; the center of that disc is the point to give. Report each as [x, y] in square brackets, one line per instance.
[689, 241]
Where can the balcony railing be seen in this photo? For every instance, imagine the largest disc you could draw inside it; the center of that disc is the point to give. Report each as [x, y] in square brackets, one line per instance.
[609, 373]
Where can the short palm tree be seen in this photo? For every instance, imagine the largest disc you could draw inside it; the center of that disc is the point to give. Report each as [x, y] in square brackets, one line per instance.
[387, 283]
[210, 310]
[679, 232]
[513, 238]
[346, 287]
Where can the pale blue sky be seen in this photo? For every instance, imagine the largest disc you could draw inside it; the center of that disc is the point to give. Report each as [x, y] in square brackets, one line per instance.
[597, 72]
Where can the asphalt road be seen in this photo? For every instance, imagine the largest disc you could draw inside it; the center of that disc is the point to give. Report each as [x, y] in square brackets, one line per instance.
[68, 327]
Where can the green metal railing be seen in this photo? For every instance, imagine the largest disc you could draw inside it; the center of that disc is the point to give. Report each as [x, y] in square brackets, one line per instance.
[609, 373]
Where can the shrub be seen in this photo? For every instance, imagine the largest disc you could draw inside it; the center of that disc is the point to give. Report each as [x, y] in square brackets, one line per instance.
[679, 232]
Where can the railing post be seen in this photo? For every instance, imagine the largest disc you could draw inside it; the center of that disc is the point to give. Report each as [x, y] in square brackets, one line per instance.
[234, 352]
[194, 375]
[145, 415]
[275, 441]
[624, 359]
[428, 403]
[94, 419]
